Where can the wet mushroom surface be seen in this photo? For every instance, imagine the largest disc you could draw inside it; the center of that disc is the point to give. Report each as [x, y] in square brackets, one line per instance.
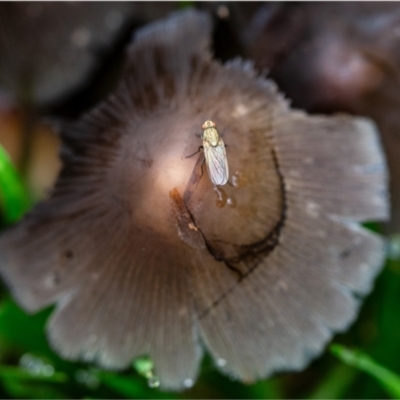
[143, 255]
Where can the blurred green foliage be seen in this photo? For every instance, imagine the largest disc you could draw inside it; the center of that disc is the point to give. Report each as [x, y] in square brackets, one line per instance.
[30, 369]
[389, 380]
[14, 197]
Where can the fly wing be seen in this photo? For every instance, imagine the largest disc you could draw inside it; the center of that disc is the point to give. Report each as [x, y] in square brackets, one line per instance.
[217, 164]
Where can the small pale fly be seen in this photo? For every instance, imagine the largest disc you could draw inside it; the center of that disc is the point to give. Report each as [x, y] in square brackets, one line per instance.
[215, 154]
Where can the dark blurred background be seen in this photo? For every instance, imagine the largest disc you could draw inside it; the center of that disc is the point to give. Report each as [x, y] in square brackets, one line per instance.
[57, 60]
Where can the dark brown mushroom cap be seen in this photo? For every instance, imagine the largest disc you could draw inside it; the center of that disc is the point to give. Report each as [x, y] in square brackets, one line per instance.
[48, 50]
[142, 256]
[331, 56]
[337, 57]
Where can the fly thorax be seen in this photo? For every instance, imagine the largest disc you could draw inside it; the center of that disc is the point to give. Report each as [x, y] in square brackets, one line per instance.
[212, 136]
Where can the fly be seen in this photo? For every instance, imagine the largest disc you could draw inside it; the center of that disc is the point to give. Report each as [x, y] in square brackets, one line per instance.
[215, 154]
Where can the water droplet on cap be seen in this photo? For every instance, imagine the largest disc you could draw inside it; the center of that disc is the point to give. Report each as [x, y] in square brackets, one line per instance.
[238, 180]
[221, 362]
[231, 201]
[188, 383]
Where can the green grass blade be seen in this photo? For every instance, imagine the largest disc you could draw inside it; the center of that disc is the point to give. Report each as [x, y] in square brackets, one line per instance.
[10, 372]
[335, 383]
[388, 379]
[14, 198]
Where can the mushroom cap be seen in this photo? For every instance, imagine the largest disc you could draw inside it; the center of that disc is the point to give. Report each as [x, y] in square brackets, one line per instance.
[142, 255]
[337, 57]
[48, 50]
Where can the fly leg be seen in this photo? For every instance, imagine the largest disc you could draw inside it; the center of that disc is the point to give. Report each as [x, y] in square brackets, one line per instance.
[198, 151]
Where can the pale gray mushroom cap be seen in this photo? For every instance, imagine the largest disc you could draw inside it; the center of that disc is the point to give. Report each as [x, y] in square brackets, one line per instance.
[141, 261]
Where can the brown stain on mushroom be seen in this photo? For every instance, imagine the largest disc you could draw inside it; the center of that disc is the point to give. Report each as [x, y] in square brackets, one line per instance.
[187, 229]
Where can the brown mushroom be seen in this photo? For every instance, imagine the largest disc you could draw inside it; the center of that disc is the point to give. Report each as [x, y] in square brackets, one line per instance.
[48, 51]
[337, 57]
[144, 256]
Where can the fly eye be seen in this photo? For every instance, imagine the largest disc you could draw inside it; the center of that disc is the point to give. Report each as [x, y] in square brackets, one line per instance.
[208, 124]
